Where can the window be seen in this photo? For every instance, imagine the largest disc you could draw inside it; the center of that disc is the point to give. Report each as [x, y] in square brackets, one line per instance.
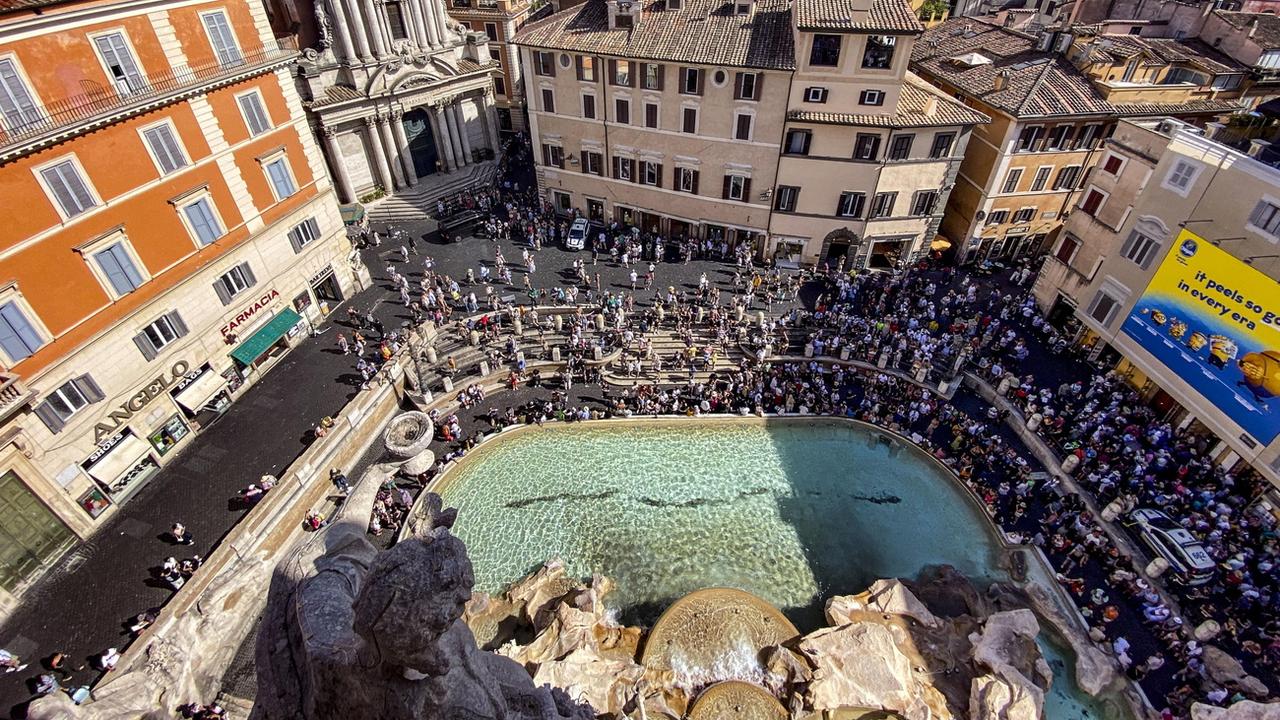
[871, 97]
[900, 147]
[224, 41]
[1011, 180]
[164, 148]
[689, 120]
[851, 204]
[1112, 164]
[1089, 137]
[553, 155]
[202, 221]
[941, 145]
[589, 106]
[1022, 215]
[16, 104]
[500, 86]
[624, 168]
[747, 86]
[690, 81]
[233, 282]
[592, 163]
[1265, 218]
[866, 147]
[544, 63]
[651, 174]
[798, 142]
[924, 202]
[652, 76]
[1060, 137]
[788, 196]
[548, 100]
[651, 115]
[1093, 201]
[742, 126]
[1067, 178]
[281, 178]
[586, 68]
[160, 334]
[1027, 139]
[1103, 308]
[121, 68]
[687, 180]
[495, 54]
[117, 265]
[622, 111]
[735, 187]
[491, 30]
[882, 204]
[395, 20]
[1067, 249]
[1042, 178]
[18, 336]
[825, 51]
[69, 190]
[1141, 249]
[998, 217]
[623, 22]
[622, 72]
[878, 54]
[66, 400]
[255, 116]
[815, 94]
[674, 4]
[1181, 176]
[303, 234]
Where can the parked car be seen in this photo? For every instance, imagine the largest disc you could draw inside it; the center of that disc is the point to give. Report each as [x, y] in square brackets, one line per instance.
[1186, 555]
[577, 237]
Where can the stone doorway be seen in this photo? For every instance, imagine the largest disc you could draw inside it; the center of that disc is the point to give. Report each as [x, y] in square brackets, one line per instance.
[422, 145]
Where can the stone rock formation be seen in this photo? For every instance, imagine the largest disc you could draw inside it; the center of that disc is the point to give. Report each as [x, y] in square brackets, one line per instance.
[1226, 670]
[886, 596]
[1019, 675]
[372, 634]
[1243, 710]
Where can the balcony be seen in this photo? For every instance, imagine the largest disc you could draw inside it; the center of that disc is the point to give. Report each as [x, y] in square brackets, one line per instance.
[14, 394]
[51, 123]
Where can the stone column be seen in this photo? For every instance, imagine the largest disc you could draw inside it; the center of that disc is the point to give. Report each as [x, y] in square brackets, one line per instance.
[389, 144]
[338, 15]
[440, 17]
[339, 167]
[374, 28]
[444, 143]
[427, 12]
[379, 154]
[490, 117]
[460, 132]
[359, 35]
[402, 146]
[416, 28]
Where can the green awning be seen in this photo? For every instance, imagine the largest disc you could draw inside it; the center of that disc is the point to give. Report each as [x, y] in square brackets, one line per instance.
[352, 213]
[265, 336]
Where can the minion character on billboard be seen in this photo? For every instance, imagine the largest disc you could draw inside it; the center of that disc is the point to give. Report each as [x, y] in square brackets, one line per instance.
[1261, 372]
[1222, 350]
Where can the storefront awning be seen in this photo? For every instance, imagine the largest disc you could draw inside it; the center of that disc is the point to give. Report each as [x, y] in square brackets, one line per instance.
[198, 393]
[265, 337]
[119, 460]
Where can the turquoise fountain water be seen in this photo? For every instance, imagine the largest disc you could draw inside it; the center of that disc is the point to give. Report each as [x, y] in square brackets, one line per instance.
[793, 512]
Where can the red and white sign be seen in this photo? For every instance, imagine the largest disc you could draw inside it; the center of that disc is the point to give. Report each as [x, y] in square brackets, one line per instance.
[250, 312]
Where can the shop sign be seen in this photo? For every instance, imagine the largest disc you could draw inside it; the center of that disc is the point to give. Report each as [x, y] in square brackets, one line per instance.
[191, 377]
[250, 312]
[321, 276]
[116, 419]
[104, 447]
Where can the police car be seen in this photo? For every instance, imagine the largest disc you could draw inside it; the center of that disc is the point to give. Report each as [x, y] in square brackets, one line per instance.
[577, 237]
[1187, 557]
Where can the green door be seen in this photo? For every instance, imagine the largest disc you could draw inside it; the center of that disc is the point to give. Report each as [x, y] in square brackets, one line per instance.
[30, 535]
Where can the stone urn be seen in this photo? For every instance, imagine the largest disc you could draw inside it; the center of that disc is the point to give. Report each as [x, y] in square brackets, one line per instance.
[408, 435]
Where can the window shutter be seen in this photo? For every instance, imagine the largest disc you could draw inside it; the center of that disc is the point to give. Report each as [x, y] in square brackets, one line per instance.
[577, 64]
[808, 137]
[746, 190]
[695, 181]
[1258, 217]
[179, 326]
[631, 165]
[617, 167]
[89, 388]
[49, 418]
[546, 154]
[759, 86]
[701, 74]
[724, 194]
[249, 278]
[1129, 243]
[840, 204]
[220, 288]
[145, 346]
[659, 171]
[737, 86]
[661, 71]
[295, 240]
[551, 58]
[613, 71]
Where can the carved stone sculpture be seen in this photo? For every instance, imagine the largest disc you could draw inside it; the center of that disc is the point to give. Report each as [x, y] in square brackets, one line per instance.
[380, 635]
[324, 28]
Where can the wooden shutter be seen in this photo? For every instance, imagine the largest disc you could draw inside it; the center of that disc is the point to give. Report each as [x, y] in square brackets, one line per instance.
[89, 388]
[724, 193]
[179, 326]
[808, 138]
[617, 166]
[144, 346]
[658, 167]
[695, 181]
[546, 154]
[49, 418]
[737, 85]
[631, 165]
[220, 288]
[661, 72]
[249, 278]
[577, 66]
[759, 86]
[746, 189]
[701, 74]
[613, 72]
[551, 63]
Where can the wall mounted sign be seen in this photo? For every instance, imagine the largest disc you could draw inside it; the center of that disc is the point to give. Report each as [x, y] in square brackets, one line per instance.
[249, 312]
[116, 419]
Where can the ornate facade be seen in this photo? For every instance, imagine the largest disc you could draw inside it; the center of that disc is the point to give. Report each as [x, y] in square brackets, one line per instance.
[398, 91]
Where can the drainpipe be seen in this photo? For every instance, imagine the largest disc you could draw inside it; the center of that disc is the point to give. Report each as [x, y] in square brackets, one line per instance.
[777, 166]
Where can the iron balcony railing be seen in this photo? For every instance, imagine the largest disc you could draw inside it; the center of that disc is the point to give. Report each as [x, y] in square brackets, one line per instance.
[104, 101]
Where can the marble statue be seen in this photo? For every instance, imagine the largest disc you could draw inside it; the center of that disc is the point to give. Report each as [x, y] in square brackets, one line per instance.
[379, 634]
[324, 29]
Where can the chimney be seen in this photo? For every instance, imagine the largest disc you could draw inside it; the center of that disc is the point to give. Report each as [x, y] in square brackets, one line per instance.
[1002, 79]
[1253, 27]
[931, 106]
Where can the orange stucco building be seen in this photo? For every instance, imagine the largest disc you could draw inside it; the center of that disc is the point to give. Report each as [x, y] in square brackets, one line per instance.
[167, 229]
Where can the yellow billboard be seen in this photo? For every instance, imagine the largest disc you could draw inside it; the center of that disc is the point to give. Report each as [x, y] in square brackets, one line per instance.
[1215, 321]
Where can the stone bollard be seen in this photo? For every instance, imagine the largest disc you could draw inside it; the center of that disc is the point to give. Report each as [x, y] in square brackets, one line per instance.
[557, 322]
[597, 352]
[1033, 422]
[738, 313]
[484, 368]
[475, 337]
[432, 357]
[1111, 511]
[943, 387]
[702, 312]
[921, 374]
[1070, 463]
[844, 353]
[1157, 567]
[517, 327]
[808, 349]
[427, 396]
[599, 322]
[760, 318]
[1206, 631]
[555, 354]
[1003, 388]
[448, 384]
[883, 361]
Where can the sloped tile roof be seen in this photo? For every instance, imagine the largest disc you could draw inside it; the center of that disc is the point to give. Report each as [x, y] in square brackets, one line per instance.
[701, 32]
[1169, 50]
[336, 94]
[1267, 36]
[890, 16]
[911, 111]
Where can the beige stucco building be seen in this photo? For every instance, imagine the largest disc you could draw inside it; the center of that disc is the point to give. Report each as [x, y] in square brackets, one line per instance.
[793, 127]
[1168, 184]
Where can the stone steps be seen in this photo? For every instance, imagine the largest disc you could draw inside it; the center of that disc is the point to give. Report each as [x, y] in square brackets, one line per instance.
[418, 203]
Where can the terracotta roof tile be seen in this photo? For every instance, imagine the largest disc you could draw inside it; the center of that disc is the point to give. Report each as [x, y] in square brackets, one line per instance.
[911, 111]
[891, 16]
[1267, 36]
[702, 32]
